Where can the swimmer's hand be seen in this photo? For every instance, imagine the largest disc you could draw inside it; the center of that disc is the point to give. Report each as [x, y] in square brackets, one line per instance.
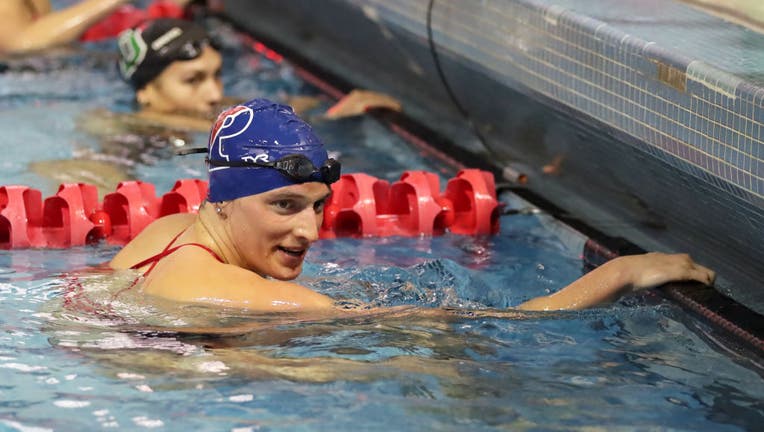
[358, 102]
[301, 104]
[621, 276]
[654, 269]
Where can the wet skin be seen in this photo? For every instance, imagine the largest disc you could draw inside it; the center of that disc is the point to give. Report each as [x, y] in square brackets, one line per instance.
[271, 232]
[261, 240]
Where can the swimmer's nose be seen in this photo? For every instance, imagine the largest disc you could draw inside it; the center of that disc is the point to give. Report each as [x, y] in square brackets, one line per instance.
[306, 227]
[213, 92]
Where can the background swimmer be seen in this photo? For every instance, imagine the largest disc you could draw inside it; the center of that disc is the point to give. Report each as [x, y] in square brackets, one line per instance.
[174, 68]
[269, 178]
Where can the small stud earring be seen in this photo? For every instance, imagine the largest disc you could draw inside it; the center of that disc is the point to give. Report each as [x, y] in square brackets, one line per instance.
[220, 213]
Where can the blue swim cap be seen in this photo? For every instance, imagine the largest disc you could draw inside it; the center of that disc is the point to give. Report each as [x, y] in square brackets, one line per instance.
[248, 137]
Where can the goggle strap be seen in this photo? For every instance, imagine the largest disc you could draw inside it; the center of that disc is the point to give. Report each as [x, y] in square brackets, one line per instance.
[238, 164]
[288, 165]
[188, 151]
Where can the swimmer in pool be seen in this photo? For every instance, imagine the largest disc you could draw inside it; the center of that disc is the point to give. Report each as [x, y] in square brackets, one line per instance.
[174, 69]
[32, 25]
[269, 178]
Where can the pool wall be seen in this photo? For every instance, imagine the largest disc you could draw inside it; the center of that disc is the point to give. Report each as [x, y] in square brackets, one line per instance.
[655, 107]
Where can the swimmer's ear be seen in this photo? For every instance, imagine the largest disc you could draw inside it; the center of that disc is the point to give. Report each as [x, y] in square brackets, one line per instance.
[219, 210]
[142, 97]
[150, 92]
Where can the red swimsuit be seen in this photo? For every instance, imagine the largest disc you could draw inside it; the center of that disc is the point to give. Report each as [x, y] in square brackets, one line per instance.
[154, 259]
[75, 294]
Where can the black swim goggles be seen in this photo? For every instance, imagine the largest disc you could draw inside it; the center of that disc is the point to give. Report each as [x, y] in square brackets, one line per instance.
[297, 167]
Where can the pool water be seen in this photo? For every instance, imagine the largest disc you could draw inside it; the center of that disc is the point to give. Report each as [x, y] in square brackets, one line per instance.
[641, 363]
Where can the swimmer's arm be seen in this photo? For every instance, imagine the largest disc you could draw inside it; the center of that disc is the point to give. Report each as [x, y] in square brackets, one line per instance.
[55, 28]
[231, 286]
[205, 280]
[621, 276]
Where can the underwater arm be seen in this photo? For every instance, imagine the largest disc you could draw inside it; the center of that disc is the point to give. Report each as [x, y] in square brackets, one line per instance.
[55, 28]
[621, 276]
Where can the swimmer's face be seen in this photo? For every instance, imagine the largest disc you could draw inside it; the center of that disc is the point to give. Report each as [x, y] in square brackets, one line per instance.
[186, 86]
[272, 231]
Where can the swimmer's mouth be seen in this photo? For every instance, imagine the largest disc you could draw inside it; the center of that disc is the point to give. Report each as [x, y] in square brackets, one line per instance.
[293, 252]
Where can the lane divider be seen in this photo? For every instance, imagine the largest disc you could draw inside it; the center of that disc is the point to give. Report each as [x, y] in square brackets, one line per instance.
[361, 205]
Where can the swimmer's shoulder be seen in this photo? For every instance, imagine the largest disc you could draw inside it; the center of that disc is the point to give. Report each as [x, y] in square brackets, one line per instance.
[153, 239]
[192, 275]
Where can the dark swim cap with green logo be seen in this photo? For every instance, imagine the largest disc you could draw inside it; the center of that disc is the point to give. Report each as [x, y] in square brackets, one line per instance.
[145, 51]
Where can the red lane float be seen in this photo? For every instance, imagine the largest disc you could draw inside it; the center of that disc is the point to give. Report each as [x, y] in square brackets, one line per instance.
[185, 197]
[365, 206]
[360, 206]
[20, 217]
[129, 16]
[473, 194]
[66, 216]
[129, 209]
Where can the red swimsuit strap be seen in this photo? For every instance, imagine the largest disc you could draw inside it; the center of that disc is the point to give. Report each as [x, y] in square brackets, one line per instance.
[157, 257]
[154, 259]
[166, 252]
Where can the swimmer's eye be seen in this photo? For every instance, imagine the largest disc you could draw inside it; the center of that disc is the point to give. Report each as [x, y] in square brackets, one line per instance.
[195, 80]
[319, 205]
[284, 205]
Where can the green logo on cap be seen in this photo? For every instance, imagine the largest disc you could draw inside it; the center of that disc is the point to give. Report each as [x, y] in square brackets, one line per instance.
[133, 50]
